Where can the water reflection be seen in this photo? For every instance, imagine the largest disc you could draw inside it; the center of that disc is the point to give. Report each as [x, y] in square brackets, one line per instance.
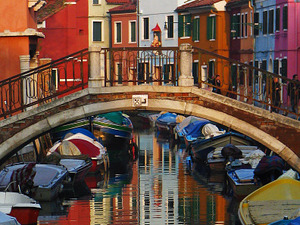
[158, 188]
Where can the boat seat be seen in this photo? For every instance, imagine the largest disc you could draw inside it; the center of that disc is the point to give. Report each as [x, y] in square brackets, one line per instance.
[265, 212]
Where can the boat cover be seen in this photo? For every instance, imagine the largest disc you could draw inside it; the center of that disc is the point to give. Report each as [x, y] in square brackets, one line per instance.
[231, 151]
[23, 178]
[194, 129]
[167, 118]
[115, 117]
[187, 121]
[210, 130]
[82, 131]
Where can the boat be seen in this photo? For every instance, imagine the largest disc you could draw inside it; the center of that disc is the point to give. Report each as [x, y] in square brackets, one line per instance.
[199, 130]
[43, 182]
[238, 155]
[286, 221]
[179, 127]
[21, 208]
[78, 144]
[276, 200]
[166, 123]
[116, 132]
[200, 148]
[58, 133]
[242, 182]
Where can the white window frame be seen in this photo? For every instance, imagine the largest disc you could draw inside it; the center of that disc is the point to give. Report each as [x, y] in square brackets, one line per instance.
[167, 31]
[102, 29]
[143, 28]
[246, 25]
[129, 30]
[99, 2]
[116, 30]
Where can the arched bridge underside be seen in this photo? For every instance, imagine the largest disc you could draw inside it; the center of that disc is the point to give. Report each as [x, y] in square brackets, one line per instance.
[279, 133]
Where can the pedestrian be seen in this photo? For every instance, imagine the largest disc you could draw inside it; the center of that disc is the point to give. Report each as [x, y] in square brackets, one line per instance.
[275, 95]
[217, 83]
[294, 93]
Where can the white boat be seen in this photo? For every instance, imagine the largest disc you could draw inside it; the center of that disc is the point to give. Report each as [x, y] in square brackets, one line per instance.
[19, 206]
[43, 182]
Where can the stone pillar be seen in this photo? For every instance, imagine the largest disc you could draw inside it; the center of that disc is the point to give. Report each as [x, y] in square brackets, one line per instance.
[186, 78]
[95, 80]
[25, 66]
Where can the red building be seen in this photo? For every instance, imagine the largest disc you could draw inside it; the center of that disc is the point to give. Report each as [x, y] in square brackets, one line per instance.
[124, 34]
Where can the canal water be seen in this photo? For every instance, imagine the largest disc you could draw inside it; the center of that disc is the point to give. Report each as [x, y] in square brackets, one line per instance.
[157, 188]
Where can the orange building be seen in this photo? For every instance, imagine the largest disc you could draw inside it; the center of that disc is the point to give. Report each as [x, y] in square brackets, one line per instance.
[18, 36]
[204, 24]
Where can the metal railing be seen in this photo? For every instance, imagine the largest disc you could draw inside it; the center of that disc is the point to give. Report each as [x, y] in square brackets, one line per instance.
[154, 66]
[44, 83]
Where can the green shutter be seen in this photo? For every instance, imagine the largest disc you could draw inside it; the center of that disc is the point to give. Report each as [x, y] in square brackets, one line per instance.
[233, 26]
[285, 18]
[196, 29]
[188, 19]
[214, 27]
[180, 26]
[209, 31]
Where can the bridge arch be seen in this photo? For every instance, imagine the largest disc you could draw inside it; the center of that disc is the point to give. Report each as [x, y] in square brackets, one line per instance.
[183, 100]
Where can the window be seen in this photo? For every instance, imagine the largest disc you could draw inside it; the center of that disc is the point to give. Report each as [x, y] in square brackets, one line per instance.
[211, 69]
[265, 22]
[246, 26]
[184, 25]
[285, 18]
[277, 28]
[234, 75]
[54, 79]
[211, 27]
[271, 21]
[284, 69]
[251, 74]
[196, 29]
[256, 23]
[146, 28]
[118, 34]
[264, 67]
[170, 26]
[132, 31]
[97, 31]
[96, 2]
[242, 24]
[235, 26]
[276, 66]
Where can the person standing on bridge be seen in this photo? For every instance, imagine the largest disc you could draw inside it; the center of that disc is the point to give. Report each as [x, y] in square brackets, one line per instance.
[275, 94]
[294, 93]
[217, 83]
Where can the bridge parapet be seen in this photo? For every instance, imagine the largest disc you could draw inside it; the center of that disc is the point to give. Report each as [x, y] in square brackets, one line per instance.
[279, 133]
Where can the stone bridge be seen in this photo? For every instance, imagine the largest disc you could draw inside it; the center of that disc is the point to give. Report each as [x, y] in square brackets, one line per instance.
[279, 133]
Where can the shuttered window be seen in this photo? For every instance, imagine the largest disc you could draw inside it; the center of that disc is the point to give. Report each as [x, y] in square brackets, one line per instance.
[265, 22]
[271, 21]
[234, 26]
[97, 31]
[284, 69]
[277, 19]
[184, 26]
[196, 29]
[256, 23]
[285, 18]
[170, 26]
[118, 34]
[211, 28]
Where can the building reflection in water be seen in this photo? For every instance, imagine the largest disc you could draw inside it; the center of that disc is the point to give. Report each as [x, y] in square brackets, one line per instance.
[155, 190]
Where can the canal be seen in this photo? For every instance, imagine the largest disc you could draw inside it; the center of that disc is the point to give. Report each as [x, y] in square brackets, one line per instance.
[157, 188]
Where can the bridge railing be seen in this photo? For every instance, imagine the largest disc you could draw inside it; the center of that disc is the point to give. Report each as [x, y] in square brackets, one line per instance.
[245, 82]
[136, 66]
[44, 83]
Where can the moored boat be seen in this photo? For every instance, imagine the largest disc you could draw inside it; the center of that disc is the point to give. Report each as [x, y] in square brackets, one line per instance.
[276, 200]
[166, 122]
[19, 206]
[8, 220]
[43, 182]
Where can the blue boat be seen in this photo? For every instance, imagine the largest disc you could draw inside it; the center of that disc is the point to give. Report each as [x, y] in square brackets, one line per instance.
[194, 130]
[166, 122]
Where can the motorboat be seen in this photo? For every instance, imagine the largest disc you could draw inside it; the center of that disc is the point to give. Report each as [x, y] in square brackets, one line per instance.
[43, 182]
[235, 155]
[277, 199]
[79, 144]
[242, 182]
[200, 148]
[21, 208]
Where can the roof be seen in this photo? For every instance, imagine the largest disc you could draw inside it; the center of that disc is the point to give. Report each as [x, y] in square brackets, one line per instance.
[236, 3]
[118, 2]
[52, 7]
[198, 3]
[129, 7]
